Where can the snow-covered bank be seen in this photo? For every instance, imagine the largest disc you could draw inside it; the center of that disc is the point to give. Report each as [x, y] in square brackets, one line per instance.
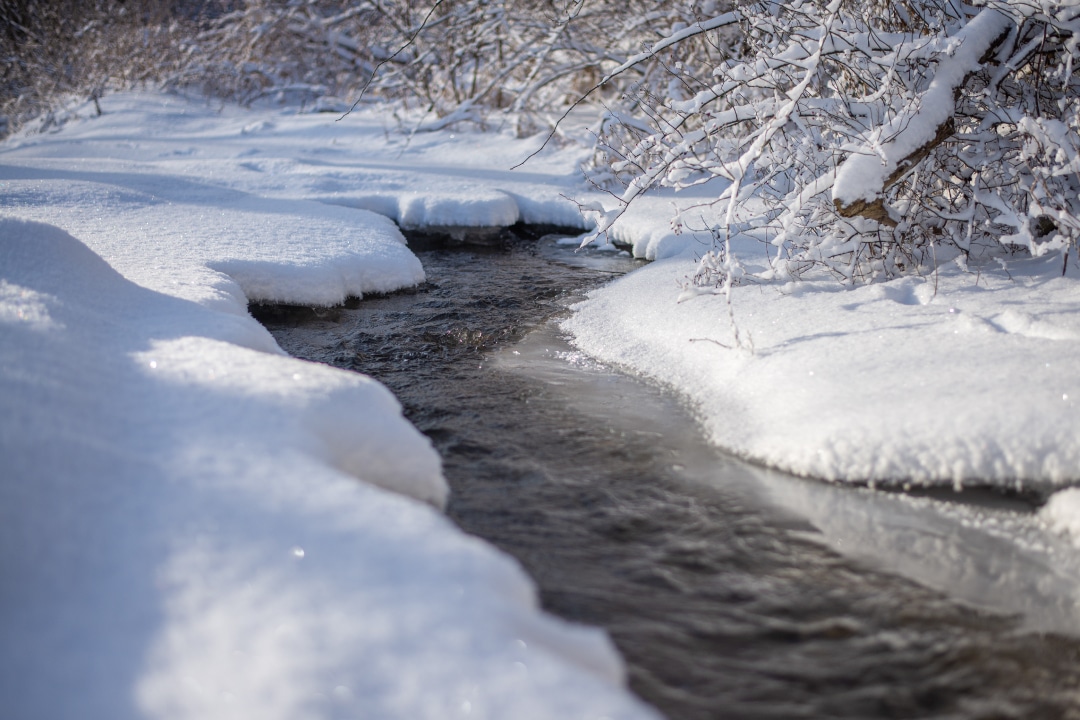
[950, 379]
[182, 530]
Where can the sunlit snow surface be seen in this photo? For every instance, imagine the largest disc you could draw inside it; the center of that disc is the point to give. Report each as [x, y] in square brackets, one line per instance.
[951, 379]
[181, 532]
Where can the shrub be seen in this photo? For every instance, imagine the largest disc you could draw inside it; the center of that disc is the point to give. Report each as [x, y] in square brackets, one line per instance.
[55, 48]
[863, 136]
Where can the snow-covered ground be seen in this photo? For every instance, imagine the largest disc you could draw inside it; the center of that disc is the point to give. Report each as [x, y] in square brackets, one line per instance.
[181, 533]
[955, 378]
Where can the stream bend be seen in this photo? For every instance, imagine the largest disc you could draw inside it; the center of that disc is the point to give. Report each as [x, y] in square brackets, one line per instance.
[730, 590]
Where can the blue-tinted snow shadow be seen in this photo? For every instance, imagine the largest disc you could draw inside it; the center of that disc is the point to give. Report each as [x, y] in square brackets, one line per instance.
[107, 476]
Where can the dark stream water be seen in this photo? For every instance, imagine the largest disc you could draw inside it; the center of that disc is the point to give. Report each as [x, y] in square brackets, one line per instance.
[723, 604]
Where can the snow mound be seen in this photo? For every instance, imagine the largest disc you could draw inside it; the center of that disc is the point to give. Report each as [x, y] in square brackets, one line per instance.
[159, 229]
[920, 381]
[475, 207]
[183, 533]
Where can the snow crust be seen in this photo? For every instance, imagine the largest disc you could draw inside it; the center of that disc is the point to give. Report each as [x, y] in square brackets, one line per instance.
[194, 525]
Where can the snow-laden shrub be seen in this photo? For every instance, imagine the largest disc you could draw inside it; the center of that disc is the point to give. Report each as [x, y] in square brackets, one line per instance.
[51, 49]
[871, 137]
[453, 60]
[456, 60]
[298, 51]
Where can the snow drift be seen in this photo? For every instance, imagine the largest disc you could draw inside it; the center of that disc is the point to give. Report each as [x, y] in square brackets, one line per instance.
[190, 527]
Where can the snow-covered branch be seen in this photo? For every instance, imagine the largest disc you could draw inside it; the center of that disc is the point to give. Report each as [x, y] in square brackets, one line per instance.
[894, 148]
[869, 137]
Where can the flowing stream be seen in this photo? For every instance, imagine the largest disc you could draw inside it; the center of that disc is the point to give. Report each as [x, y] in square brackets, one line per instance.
[731, 591]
